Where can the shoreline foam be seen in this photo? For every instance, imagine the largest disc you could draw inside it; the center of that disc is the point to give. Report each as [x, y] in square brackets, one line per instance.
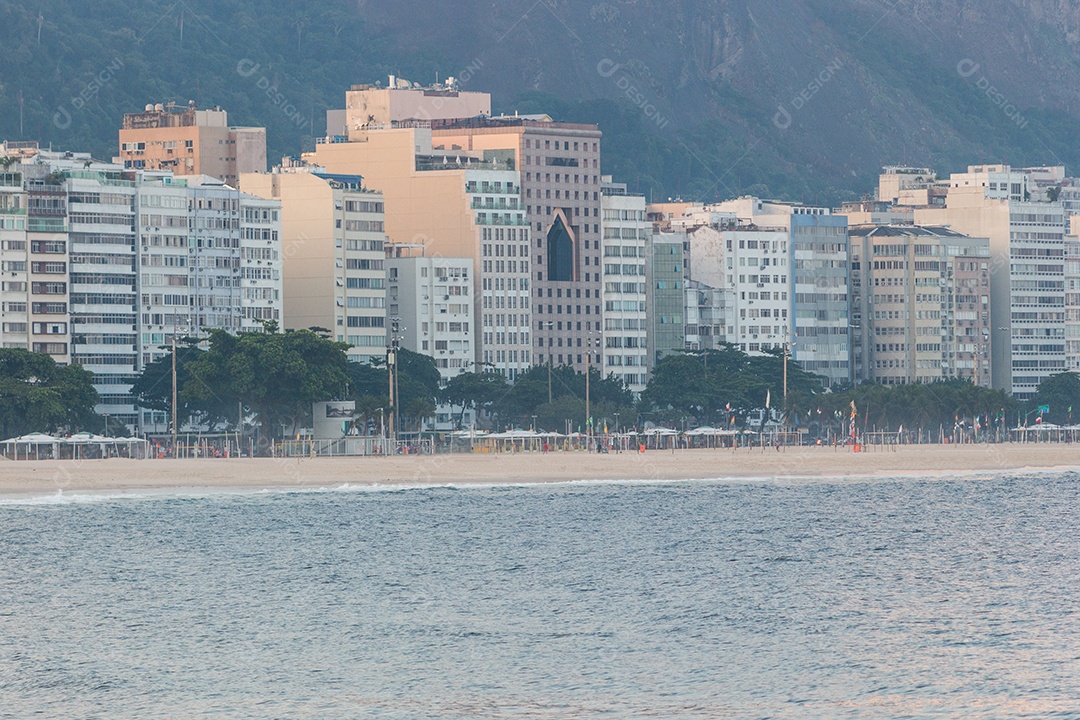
[47, 478]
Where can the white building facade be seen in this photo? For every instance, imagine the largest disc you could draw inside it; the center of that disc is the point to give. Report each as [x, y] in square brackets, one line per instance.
[114, 263]
[432, 297]
[626, 231]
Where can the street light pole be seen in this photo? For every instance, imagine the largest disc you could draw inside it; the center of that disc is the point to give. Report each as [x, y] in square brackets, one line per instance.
[391, 367]
[786, 348]
[174, 393]
[550, 324]
[588, 425]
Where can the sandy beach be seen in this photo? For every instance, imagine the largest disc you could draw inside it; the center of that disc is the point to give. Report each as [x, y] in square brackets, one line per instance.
[121, 475]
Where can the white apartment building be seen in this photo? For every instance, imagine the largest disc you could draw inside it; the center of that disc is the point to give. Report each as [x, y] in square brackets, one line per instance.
[504, 306]
[1072, 300]
[808, 272]
[209, 258]
[757, 264]
[626, 231]
[113, 263]
[103, 281]
[432, 298]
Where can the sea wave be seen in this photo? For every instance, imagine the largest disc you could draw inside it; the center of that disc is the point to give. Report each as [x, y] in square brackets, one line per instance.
[82, 497]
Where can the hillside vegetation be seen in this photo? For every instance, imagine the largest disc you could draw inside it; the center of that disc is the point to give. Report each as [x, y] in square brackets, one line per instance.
[800, 99]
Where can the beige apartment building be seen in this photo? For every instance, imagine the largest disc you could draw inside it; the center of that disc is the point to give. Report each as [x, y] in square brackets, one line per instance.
[189, 141]
[372, 106]
[455, 204]
[333, 255]
[920, 305]
[1027, 268]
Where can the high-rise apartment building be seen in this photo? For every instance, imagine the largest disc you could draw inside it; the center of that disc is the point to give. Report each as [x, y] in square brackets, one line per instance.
[920, 305]
[431, 297]
[1027, 269]
[559, 167]
[333, 247]
[751, 266]
[111, 264]
[189, 141]
[626, 233]
[807, 271]
[666, 294]
[1072, 298]
[455, 204]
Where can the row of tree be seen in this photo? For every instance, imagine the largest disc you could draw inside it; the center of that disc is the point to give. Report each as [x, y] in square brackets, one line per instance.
[715, 386]
[275, 377]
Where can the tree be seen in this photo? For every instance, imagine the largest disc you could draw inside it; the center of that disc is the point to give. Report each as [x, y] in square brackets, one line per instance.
[368, 409]
[552, 416]
[37, 395]
[417, 410]
[418, 379]
[1061, 392]
[477, 390]
[153, 386]
[529, 395]
[699, 386]
[276, 375]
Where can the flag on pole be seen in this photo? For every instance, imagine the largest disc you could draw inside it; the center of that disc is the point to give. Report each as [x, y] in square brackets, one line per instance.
[768, 398]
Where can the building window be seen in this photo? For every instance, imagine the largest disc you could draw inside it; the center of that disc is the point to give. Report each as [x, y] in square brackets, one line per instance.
[560, 252]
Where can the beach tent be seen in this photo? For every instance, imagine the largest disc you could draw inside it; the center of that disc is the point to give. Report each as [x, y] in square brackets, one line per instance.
[660, 436]
[520, 439]
[83, 444]
[38, 446]
[30, 447]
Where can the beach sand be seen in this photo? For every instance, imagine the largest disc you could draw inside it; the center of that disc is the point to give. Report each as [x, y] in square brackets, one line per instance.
[121, 475]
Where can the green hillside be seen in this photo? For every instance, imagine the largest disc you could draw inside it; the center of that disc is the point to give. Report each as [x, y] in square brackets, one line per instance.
[801, 99]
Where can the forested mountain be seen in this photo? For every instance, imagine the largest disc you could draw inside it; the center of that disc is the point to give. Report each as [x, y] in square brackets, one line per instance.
[801, 99]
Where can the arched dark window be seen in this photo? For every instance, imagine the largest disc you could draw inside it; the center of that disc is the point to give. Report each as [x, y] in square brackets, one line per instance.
[560, 251]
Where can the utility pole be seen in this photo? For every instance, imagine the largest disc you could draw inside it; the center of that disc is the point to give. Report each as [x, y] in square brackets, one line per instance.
[786, 348]
[588, 425]
[390, 360]
[549, 326]
[240, 427]
[174, 394]
[392, 370]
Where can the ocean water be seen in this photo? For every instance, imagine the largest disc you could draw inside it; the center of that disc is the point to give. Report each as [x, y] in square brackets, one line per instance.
[902, 598]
